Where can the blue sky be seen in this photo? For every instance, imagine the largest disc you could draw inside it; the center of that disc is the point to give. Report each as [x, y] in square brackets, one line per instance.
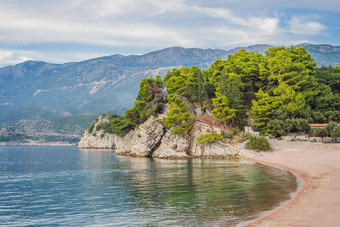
[74, 30]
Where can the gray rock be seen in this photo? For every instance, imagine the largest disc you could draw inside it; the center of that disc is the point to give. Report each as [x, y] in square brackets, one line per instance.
[95, 140]
[173, 146]
[215, 149]
[143, 140]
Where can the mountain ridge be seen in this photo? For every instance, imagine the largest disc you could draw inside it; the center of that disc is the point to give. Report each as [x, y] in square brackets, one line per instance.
[110, 82]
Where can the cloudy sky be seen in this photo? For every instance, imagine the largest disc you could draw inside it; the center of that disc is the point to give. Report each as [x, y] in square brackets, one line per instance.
[73, 30]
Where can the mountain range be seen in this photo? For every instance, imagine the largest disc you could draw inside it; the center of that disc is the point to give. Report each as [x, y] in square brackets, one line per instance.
[105, 84]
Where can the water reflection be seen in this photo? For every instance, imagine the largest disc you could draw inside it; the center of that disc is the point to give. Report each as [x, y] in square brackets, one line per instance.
[149, 191]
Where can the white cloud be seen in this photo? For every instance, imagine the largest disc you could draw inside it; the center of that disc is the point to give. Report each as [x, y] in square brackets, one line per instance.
[151, 24]
[8, 57]
[302, 26]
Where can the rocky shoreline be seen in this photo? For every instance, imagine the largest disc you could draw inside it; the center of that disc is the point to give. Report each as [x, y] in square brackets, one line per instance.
[151, 139]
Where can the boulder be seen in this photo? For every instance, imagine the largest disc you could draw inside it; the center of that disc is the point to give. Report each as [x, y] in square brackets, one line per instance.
[215, 149]
[143, 140]
[172, 146]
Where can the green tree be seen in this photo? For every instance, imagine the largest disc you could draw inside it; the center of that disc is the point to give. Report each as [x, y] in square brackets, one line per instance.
[222, 110]
[196, 84]
[132, 115]
[121, 126]
[262, 109]
[329, 76]
[329, 128]
[178, 118]
[295, 67]
[159, 81]
[145, 90]
[248, 66]
[173, 73]
[335, 133]
[288, 100]
[177, 86]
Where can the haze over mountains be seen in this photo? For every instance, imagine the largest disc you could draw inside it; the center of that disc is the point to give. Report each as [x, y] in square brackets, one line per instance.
[105, 84]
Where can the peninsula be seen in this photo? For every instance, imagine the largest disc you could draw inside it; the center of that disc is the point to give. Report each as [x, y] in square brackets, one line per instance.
[202, 113]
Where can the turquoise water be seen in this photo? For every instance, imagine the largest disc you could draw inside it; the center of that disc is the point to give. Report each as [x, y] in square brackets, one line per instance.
[69, 187]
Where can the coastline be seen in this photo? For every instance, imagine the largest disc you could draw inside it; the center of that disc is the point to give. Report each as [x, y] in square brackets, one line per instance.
[55, 144]
[316, 201]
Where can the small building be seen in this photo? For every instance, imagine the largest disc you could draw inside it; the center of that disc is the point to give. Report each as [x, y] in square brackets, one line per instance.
[318, 125]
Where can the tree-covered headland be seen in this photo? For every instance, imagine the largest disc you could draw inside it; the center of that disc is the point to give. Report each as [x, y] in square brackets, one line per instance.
[279, 92]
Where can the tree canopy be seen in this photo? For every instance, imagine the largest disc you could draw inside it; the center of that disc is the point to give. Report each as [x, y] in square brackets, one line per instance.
[282, 91]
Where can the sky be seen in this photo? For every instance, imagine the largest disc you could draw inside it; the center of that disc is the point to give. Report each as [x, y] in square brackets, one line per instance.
[74, 30]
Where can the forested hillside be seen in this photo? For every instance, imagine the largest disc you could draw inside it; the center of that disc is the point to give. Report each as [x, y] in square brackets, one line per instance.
[279, 92]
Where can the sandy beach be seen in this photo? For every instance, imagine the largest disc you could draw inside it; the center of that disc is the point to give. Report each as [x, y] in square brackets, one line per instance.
[317, 202]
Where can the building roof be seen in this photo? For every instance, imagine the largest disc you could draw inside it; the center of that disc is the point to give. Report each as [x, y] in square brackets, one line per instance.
[318, 125]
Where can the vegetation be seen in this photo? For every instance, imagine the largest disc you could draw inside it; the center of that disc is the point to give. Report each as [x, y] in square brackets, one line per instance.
[244, 137]
[178, 118]
[258, 143]
[333, 130]
[209, 137]
[282, 91]
[222, 110]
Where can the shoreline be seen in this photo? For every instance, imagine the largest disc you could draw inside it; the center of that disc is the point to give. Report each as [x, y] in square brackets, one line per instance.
[37, 144]
[316, 200]
[302, 180]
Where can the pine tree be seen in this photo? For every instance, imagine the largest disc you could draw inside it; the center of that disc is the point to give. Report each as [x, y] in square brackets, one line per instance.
[222, 110]
[178, 118]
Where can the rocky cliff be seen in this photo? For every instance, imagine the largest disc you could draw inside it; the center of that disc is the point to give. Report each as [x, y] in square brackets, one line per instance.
[151, 139]
[97, 139]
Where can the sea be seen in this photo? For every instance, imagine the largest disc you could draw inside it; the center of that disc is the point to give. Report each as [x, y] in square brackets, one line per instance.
[65, 186]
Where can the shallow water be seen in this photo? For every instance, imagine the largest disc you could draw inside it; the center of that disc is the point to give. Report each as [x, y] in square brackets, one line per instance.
[69, 187]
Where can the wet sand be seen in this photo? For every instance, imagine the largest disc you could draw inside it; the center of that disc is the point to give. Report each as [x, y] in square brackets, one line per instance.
[317, 202]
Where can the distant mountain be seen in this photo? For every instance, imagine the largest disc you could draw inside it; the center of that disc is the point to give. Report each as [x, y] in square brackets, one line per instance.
[14, 116]
[107, 83]
[95, 85]
[323, 54]
[36, 128]
[260, 48]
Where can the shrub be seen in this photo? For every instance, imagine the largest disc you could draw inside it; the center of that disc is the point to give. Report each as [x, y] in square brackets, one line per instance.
[158, 108]
[99, 127]
[335, 133]
[318, 132]
[329, 128]
[209, 137]
[91, 128]
[276, 127]
[244, 137]
[258, 143]
[121, 126]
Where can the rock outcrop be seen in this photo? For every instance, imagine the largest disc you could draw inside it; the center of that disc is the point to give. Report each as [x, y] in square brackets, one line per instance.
[97, 139]
[143, 140]
[173, 146]
[215, 149]
[151, 139]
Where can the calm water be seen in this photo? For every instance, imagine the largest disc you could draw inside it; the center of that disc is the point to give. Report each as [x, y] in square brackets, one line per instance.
[69, 187]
